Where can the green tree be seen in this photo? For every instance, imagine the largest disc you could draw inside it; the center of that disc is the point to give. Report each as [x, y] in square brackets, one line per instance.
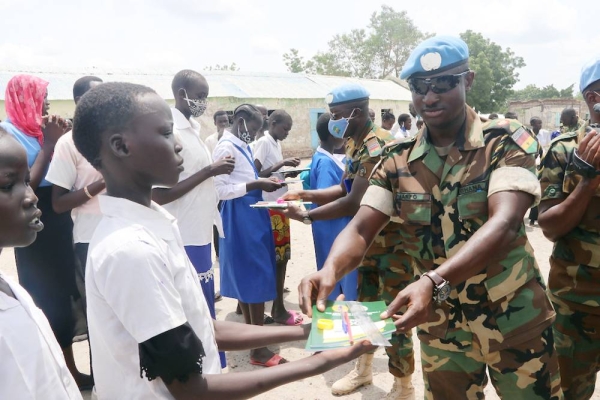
[294, 61]
[532, 92]
[495, 72]
[375, 52]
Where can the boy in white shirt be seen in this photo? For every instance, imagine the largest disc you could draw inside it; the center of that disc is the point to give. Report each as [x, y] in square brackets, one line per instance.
[32, 365]
[193, 200]
[221, 120]
[76, 184]
[147, 314]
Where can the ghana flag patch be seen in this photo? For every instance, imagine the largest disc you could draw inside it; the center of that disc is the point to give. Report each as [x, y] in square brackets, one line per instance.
[525, 140]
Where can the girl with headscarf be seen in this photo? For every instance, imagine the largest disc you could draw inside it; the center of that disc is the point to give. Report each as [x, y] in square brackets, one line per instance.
[46, 268]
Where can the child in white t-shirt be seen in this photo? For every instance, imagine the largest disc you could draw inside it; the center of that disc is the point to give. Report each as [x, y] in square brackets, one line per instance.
[32, 365]
[268, 159]
[147, 314]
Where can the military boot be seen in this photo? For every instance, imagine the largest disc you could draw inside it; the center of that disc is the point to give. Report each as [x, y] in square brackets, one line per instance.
[402, 389]
[362, 374]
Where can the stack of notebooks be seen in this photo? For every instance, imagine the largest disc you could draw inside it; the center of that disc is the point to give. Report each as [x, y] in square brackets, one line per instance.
[330, 328]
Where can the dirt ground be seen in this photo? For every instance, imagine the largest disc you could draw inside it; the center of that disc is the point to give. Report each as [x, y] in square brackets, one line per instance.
[318, 387]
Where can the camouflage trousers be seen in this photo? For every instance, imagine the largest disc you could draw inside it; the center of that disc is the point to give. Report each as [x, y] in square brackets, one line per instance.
[523, 372]
[577, 337]
[381, 276]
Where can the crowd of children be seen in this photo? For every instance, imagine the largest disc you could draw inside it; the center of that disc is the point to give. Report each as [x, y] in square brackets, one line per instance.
[149, 283]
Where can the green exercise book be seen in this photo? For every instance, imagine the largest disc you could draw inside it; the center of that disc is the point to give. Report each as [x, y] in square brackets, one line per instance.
[336, 335]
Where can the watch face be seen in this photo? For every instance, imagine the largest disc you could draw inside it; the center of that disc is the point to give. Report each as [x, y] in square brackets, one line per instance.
[443, 292]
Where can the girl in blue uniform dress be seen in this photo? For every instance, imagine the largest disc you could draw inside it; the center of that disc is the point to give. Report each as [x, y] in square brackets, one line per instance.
[327, 171]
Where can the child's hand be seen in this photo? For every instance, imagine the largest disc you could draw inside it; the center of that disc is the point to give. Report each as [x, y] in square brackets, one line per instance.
[223, 166]
[336, 357]
[269, 184]
[291, 162]
[53, 128]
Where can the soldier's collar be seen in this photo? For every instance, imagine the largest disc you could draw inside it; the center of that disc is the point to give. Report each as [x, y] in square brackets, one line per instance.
[470, 137]
[367, 131]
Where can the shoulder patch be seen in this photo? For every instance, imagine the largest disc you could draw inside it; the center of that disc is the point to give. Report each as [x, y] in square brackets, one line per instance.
[525, 140]
[373, 147]
[518, 133]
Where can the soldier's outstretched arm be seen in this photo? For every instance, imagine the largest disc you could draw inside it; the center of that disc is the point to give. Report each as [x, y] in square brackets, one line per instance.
[559, 215]
[346, 254]
[345, 206]
[506, 212]
[318, 196]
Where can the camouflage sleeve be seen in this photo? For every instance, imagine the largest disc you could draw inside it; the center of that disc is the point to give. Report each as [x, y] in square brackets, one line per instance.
[366, 163]
[513, 170]
[552, 172]
[379, 194]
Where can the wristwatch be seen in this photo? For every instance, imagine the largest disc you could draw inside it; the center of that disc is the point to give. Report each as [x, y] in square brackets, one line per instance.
[441, 287]
[307, 219]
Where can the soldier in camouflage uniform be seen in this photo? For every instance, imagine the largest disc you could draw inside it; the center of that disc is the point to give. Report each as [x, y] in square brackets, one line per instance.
[569, 121]
[570, 217]
[385, 270]
[459, 191]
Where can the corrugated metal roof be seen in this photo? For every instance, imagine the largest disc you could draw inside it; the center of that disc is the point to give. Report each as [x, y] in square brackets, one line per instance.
[236, 84]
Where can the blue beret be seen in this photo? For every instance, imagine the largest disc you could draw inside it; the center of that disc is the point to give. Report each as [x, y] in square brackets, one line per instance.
[434, 55]
[347, 93]
[590, 73]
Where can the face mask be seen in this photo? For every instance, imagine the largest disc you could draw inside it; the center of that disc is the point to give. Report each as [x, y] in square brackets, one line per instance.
[338, 127]
[245, 136]
[197, 107]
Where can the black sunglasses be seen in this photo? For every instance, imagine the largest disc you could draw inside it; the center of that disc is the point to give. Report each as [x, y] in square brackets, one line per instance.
[438, 85]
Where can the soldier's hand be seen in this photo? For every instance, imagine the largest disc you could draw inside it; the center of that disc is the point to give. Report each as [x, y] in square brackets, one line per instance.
[292, 195]
[589, 149]
[418, 298]
[294, 212]
[315, 288]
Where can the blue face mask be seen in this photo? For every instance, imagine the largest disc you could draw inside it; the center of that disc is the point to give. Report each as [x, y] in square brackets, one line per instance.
[338, 127]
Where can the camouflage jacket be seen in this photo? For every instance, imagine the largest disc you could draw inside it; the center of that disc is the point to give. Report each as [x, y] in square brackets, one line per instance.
[575, 261]
[575, 128]
[362, 158]
[441, 203]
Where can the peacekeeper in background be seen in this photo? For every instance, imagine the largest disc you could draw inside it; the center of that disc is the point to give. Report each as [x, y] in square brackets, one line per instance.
[385, 270]
[460, 190]
[570, 217]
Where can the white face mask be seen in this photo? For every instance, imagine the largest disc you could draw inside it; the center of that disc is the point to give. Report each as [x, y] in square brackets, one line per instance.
[245, 136]
[197, 106]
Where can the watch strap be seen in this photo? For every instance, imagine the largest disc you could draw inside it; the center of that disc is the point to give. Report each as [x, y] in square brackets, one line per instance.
[435, 278]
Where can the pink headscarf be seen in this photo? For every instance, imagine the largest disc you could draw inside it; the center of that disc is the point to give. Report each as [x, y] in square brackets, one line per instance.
[24, 100]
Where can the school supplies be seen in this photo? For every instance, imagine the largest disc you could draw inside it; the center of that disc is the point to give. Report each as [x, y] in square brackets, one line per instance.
[351, 321]
[281, 205]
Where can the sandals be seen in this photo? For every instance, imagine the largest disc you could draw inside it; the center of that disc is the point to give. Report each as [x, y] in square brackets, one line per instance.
[272, 362]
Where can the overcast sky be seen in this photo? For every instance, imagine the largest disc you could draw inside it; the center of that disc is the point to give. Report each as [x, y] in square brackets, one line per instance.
[553, 36]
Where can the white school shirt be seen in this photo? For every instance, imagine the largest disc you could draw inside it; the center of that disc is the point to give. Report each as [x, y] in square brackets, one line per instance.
[70, 170]
[32, 365]
[196, 211]
[139, 284]
[268, 151]
[234, 185]
[211, 142]
[335, 157]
